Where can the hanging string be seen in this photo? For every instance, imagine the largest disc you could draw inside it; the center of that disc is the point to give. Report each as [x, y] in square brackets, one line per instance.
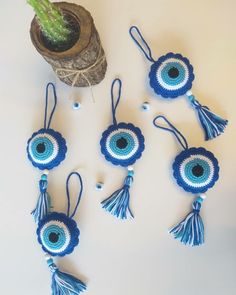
[46, 105]
[68, 193]
[142, 45]
[179, 136]
[113, 104]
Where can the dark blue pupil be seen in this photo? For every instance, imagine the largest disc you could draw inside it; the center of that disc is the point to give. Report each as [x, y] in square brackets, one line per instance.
[198, 170]
[41, 148]
[173, 72]
[122, 143]
[53, 237]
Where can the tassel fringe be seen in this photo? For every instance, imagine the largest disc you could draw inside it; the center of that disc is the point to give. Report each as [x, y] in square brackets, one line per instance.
[190, 231]
[43, 204]
[118, 203]
[63, 283]
[213, 125]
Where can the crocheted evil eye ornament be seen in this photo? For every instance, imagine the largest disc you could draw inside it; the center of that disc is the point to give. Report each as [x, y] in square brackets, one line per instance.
[121, 144]
[46, 149]
[171, 76]
[195, 170]
[58, 235]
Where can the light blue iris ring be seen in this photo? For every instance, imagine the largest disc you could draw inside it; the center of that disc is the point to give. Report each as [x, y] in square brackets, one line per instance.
[49, 148]
[189, 173]
[53, 229]
[173, 81]
[122, 151]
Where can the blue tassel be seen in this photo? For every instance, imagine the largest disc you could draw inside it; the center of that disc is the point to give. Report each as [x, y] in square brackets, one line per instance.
[43, 204]
[63, 283]
[118, 203]
[190, 231]
[212, 124]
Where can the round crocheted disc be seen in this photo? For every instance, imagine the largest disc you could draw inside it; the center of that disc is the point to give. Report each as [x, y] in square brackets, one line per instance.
[171, 75]
[58, 234]
[46, 149]
[122, 144]
[196, 170]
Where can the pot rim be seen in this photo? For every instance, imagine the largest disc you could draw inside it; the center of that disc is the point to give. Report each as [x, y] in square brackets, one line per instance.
[79, 14]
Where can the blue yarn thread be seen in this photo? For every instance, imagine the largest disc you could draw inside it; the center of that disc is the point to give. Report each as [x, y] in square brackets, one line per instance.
[114, 104]
[47, 126]
[190, 231]
[68, 193]
[43, 204]
[118, 203]
[143, 44]
[212, 124]
[178, 135]
[63, 283]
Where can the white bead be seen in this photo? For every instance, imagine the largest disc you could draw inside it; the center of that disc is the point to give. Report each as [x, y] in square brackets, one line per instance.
[47, 257]
[203, 196]
[46, 172]
[130, 168]
[189, 93]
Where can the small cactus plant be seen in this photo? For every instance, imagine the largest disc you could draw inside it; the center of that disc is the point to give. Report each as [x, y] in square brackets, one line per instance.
[55, 28]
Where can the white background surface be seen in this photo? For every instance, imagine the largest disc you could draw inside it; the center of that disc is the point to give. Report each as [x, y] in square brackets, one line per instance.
[135, 257]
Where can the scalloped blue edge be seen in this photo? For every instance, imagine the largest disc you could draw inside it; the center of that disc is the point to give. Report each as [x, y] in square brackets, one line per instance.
[135, 157]
[72, 226]
[158, 89]
[195, 151]
[61, 154]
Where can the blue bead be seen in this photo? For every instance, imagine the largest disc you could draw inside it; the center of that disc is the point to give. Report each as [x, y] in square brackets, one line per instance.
[76, 105]
[191, 98]
[49, 261]
[199, 199]
[99, 186]
[131, 173]
[44, 177]
[145, 106]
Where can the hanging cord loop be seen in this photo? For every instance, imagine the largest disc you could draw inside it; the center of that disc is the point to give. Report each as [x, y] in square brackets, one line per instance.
[113, 104]
[68, 193]
[47, 126]
[142, 44]
[179, 136]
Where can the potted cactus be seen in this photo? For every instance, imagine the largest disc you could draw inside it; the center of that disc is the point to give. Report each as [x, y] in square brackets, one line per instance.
[65, 35]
